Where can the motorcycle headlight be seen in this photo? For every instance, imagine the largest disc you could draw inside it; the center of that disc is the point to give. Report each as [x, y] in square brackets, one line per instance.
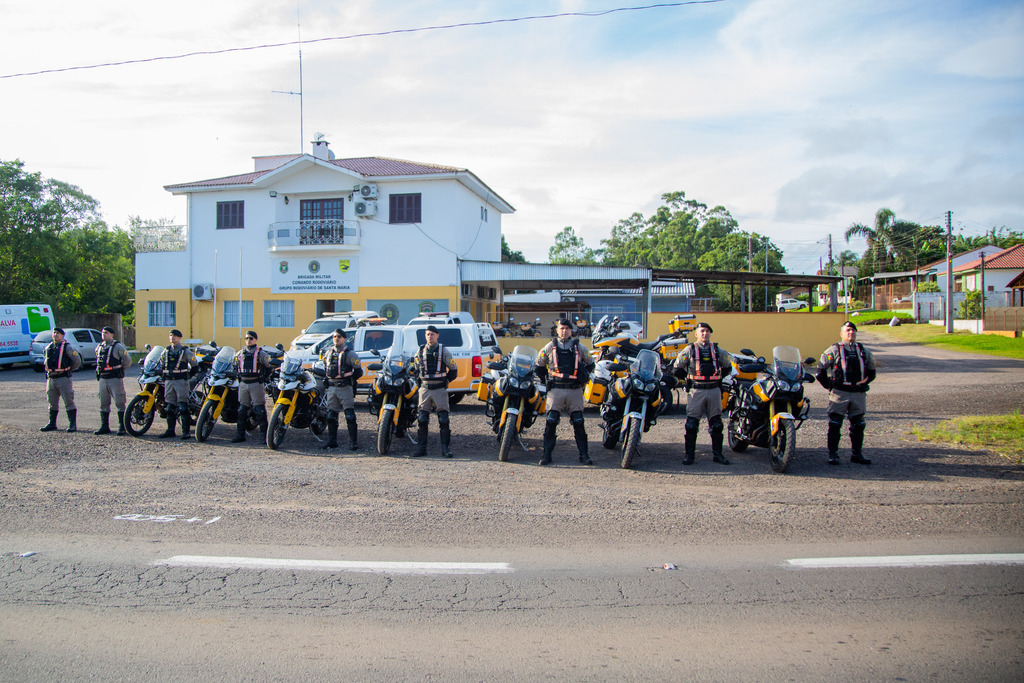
[651, 386]
[638, 384]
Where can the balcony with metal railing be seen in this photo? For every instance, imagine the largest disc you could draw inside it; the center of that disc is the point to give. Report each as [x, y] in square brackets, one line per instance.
[157, 238]
[331, 233]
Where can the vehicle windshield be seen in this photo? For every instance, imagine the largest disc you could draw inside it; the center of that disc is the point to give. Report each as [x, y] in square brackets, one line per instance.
[292, 364]
[325, 326]
[647, 365]
[522, 360]
[154, 361]
[787, 362]
[224, 360]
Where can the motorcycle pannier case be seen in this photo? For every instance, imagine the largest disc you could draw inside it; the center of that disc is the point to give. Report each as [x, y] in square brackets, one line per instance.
[595, 391]
[671, 348]
[483, 390]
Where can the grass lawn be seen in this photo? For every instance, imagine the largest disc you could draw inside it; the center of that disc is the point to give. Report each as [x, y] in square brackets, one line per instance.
[933, 335]
[1003, 434]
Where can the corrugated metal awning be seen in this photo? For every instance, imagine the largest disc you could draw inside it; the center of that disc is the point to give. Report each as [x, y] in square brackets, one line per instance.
[547, 276]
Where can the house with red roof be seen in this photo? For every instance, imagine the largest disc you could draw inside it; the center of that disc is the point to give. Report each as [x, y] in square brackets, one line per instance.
[993, 273]
[301, 235]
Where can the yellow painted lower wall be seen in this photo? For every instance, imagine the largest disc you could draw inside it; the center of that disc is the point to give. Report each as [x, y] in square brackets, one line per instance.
[200, 320]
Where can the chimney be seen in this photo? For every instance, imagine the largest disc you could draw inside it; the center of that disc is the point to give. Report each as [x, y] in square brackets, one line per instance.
[321, 148]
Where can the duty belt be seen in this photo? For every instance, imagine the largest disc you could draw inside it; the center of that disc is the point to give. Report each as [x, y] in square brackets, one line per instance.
[706, 385]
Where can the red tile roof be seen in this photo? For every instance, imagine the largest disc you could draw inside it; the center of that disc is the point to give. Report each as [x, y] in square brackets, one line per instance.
[369, 167]
[1009, 258]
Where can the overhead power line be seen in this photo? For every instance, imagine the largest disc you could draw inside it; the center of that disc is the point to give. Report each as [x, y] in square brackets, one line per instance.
[421, 29]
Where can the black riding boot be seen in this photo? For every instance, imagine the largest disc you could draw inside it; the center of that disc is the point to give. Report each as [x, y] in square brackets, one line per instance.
[186, 425]
[446, 441]
[243, 417]
[835, 432]
[332, 430]
[857, 426]
[717, 437]
[549, 443]
[73, 420]
[104, 424]
[353, 429]
[421, 439]
[52, 425]
[581, 442]
[121, 431]
[690, 442]
[172, 420]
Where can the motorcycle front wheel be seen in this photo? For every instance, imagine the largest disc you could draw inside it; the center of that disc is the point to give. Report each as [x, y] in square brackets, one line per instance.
[782, 446]
[136, 420]
[737, 444]
[277, 428]
[631, 444]
[508, 435]
[204, 425]
[385, 428]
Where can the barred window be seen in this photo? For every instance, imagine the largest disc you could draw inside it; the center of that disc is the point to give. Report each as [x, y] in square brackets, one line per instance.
[161, 314]
[232, 317]
[278, 313]
[405, 208]
[230, 215]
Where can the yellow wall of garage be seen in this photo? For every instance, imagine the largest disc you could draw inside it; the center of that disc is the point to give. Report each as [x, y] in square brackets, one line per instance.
[195, 319]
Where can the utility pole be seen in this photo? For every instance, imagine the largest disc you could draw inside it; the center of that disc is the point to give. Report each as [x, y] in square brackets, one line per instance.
[750, 269]
[831, 271]
[766, 273]
[949, 272]
[982, 291]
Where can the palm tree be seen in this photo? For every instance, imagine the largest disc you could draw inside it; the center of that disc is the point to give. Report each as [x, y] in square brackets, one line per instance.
[890, 242]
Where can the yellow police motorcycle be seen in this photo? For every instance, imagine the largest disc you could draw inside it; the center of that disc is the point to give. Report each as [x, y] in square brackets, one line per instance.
[392, 397]
[513, 398]
[221, 402]
[633, 404]
[149, 402]
[301, 401]
[766, 403]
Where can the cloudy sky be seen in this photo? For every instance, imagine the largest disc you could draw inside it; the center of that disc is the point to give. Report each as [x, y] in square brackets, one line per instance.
[799, 116]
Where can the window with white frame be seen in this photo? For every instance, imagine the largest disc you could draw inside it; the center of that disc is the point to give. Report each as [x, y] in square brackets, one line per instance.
[278, 313]
[238, 314]
[161, 314]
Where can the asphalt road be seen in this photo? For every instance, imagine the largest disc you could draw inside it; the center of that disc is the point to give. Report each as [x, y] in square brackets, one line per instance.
[582, 592]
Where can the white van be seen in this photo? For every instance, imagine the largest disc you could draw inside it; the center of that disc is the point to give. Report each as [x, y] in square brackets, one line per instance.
[19, 324]
[346, 320]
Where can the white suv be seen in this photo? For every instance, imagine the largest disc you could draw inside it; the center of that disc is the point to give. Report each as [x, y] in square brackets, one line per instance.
[791, 305]
[328, 323]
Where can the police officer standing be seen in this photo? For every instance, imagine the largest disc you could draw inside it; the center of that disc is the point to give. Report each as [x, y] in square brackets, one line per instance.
[704, 364]
[112, 359]
[435, 368]
[178, 362]
[60, 359]
[846, 370]
[566, 366]
[253, 369]
[343, 369]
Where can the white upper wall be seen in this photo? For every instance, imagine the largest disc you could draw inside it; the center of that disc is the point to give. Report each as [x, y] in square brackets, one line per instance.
[456, 223]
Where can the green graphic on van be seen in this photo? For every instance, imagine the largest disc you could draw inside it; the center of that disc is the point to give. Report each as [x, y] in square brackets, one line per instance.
[38, 320]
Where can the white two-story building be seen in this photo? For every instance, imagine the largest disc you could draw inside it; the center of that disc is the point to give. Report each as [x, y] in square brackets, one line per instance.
[302, 235]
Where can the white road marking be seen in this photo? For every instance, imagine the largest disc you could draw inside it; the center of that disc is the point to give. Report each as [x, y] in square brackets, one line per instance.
[339, 565]
[906, 561]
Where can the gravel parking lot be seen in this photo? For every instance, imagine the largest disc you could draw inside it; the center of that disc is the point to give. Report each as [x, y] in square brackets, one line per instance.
[56, 482]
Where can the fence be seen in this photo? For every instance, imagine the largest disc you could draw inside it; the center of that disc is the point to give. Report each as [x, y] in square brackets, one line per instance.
[1009, 319]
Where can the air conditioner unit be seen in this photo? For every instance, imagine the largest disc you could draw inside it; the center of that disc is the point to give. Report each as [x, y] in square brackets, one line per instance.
[366, 208]
[202, 292]
[367, 191]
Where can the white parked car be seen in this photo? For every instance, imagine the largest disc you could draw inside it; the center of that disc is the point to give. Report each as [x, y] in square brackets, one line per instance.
[632, 328]
[83, 339]
[791, 305]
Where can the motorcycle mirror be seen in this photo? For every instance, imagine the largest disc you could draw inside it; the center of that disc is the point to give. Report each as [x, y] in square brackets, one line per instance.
[376, 367]
[496, 349]
[213, 343]
[278, 346]
[810, 361]
[148, 347]
[746, 352]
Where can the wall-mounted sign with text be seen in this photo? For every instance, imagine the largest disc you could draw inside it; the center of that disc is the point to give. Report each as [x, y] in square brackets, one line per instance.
[314, 275]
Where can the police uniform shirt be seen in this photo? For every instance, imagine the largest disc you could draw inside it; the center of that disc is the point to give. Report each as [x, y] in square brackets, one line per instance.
[688, 365]
[844, 358]
[549, 354]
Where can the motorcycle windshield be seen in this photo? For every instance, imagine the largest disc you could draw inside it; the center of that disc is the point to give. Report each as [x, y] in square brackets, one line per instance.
[292, 365]
[522, 361]
[647, 365]
[602, 325]
[788, 365]
[223, 361]
[395, 360]
[154, 361]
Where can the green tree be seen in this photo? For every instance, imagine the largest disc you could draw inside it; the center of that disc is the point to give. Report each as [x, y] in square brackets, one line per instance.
[891, 243]
[510, 256]
[569, 248]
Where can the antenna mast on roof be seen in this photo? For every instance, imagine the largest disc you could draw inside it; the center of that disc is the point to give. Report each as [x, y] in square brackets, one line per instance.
[298, 26]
